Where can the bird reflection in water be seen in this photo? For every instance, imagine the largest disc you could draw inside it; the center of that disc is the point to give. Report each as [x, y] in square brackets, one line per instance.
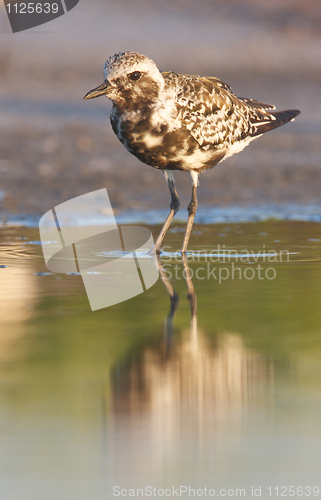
[183, 394]
[191, 370]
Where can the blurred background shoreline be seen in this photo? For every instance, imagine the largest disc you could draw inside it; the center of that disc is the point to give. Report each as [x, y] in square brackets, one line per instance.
[54, 146]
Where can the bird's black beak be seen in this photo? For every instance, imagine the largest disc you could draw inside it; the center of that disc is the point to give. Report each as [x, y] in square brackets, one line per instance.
[98, 91]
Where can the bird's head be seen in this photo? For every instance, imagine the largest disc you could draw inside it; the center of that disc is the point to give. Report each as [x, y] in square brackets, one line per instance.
[130, 78]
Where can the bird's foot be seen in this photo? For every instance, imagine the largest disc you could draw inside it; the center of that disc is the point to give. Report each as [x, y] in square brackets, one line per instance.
[155, 250]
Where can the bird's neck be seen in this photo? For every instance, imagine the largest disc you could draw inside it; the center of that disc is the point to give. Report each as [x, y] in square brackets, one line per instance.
[140, 100]
[137, 107]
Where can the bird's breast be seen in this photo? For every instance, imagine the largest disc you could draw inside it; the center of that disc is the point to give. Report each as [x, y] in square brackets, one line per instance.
[158, 138]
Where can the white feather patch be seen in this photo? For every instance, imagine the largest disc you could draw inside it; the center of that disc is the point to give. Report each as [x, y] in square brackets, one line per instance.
[237, 147]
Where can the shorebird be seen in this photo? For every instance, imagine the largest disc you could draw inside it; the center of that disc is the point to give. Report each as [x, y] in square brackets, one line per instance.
[174, 121]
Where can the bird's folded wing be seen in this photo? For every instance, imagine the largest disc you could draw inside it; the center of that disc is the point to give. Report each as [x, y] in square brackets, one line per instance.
[214, 116]
[256, 105]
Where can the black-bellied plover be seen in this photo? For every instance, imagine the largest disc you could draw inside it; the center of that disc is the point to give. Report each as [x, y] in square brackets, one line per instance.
[173, 121]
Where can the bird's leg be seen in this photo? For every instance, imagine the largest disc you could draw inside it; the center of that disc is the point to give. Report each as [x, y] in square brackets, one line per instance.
[192, 208]
[191, 295]
[174, 301]
[174, 209]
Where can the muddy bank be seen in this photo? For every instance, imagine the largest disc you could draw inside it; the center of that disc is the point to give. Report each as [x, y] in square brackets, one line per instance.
[40, 169]
[54, 146]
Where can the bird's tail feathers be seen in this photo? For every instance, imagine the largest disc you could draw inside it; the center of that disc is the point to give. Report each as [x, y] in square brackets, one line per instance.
[274, 119]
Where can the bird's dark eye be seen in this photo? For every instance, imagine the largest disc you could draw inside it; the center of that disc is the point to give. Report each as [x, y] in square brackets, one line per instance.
[135, 76]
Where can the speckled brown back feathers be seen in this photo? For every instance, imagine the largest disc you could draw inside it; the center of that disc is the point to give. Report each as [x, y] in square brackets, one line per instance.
[216, 117]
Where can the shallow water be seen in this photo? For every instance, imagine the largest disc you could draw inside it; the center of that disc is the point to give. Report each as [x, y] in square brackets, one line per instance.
[158, 392]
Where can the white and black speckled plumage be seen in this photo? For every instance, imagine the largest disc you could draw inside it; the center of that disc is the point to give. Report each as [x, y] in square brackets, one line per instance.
[181, 122]
[173, 121]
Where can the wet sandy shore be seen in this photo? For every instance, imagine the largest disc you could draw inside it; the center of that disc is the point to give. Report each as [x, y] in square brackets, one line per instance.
[54, 146]
[40, 169]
